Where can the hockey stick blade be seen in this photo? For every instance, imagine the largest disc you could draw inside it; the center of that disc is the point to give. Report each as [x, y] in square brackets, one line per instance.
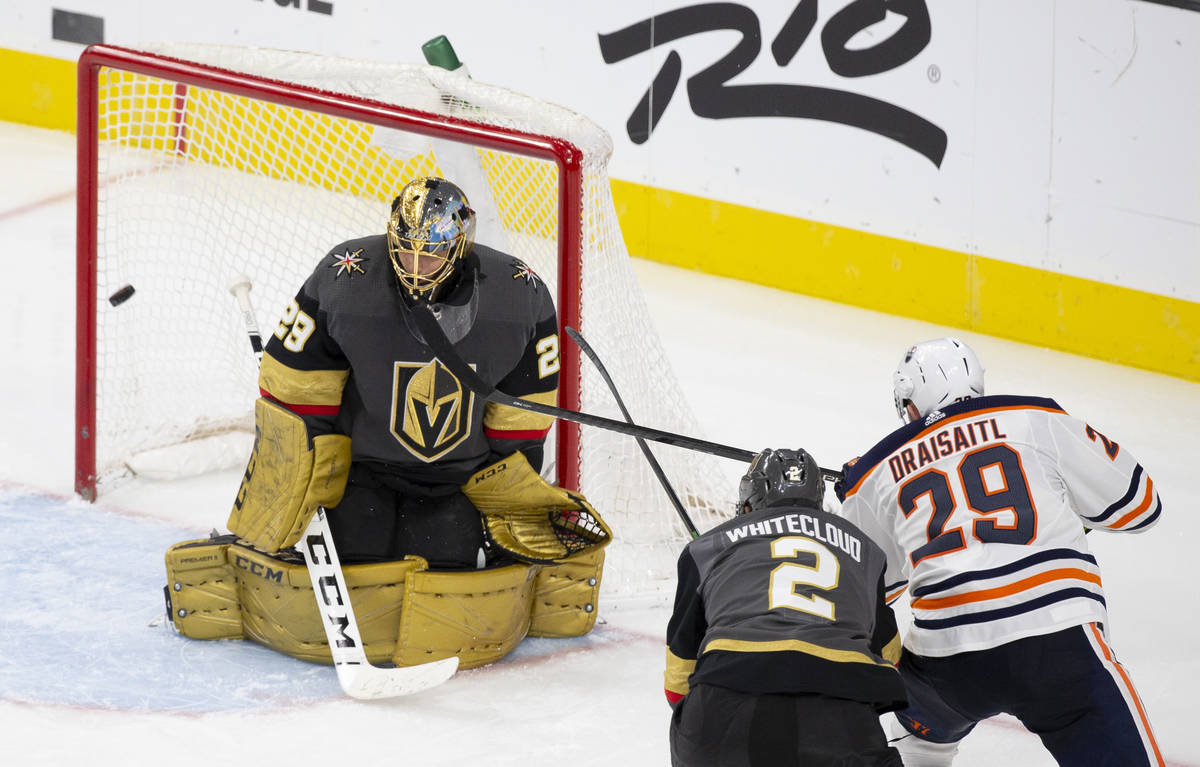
[444, 350]
[655, 466]
[374, 683]
[358, 678]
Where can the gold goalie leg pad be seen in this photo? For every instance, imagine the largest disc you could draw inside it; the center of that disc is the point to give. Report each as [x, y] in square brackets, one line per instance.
[279, 609]
[202, 592]
[219, 588]
[566, 596]
[478, 615]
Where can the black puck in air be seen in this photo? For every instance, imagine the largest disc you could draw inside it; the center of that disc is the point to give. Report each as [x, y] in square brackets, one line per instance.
[121, 296]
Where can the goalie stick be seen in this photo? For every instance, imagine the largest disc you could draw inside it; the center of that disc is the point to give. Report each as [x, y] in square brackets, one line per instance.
[357, 677]
[444, 350]
[241, 291]
[587, 349]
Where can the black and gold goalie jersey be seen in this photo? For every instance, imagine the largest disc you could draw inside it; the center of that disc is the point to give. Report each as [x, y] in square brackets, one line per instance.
[346, 357]
[784, 600]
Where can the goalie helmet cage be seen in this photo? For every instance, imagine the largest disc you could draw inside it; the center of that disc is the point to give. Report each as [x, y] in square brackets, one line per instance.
[198, 163]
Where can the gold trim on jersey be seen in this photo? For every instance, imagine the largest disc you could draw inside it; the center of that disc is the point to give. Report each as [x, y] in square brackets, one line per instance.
[505, 418]
[891, 652]
[793, 645]
[675, 678]
[301, 387]
[431, 411]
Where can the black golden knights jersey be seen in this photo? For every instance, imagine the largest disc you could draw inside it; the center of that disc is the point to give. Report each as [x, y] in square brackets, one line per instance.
[784, 600]
[345, 359]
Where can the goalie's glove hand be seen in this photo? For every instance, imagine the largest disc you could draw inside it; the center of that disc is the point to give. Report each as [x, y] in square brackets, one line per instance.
[579, 526]
[529, 518]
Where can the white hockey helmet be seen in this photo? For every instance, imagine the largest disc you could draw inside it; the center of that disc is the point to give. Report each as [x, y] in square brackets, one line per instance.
[934, 374]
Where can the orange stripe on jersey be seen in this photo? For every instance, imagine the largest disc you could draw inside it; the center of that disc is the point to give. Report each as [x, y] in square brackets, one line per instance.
[1137, 701]
[1067, 573]
[1141, 509]
[942, 423]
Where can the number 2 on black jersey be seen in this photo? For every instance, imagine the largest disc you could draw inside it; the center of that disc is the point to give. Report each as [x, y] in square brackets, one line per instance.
[822, 574]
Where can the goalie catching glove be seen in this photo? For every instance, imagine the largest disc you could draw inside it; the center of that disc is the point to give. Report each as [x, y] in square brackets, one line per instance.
[530, 519]
[287, 478]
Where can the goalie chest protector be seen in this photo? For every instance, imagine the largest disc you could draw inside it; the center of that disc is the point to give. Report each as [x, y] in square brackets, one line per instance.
[400, 405]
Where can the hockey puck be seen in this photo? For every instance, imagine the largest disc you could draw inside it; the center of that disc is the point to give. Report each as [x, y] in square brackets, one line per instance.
[121, 296]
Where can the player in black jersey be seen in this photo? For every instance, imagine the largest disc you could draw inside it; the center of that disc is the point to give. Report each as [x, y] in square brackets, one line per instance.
[348, 360]
[359, 417]
[780, 649]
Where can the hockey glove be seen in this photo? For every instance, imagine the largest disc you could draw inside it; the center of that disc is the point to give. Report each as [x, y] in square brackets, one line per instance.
[529, 518]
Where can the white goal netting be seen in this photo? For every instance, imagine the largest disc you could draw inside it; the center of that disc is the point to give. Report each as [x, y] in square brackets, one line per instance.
[203, 175]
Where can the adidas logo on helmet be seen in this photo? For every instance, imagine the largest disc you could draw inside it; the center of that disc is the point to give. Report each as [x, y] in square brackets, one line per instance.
[934, 374]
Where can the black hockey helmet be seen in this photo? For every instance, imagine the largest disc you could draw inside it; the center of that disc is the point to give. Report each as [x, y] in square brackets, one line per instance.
[431, 230]
[781, 478]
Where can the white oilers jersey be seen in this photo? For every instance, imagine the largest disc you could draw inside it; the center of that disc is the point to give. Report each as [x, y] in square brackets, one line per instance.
[981, 510]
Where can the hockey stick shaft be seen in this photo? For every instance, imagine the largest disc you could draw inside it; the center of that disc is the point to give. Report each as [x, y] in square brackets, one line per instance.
[444, 350]
[587, 349]
[357, 677]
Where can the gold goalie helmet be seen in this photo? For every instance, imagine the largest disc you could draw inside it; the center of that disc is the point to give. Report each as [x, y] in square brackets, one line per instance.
[430, 231]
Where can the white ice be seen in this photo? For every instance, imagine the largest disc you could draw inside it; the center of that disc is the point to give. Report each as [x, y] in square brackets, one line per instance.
[84, 679]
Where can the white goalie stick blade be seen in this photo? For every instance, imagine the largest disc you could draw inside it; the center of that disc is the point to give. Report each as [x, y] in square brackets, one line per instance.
[367, 682]
[358, 678]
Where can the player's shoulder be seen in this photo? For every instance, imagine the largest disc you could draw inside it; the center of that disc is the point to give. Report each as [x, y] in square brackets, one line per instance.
[356, 257]
[350, 265]
[916, 430]
[766, 524]
[500, 271]
[715, 539]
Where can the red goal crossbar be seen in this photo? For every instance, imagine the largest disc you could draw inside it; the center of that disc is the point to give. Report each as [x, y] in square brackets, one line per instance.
[567, 157]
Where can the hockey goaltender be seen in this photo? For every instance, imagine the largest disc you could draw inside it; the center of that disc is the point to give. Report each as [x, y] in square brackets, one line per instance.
[452, 542]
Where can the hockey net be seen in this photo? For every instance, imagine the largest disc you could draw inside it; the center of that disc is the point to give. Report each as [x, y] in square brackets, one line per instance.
[202, 163]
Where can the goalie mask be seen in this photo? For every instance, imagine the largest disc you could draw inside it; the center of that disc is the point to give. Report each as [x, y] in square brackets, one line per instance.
[934, 374]
[430, 231]
[781, 478]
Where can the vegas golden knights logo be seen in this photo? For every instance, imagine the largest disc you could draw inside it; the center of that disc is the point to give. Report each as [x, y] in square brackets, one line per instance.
[431, 414]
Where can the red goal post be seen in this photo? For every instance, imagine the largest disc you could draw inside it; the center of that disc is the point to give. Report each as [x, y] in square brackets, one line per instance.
[196, 162]
[566, 156]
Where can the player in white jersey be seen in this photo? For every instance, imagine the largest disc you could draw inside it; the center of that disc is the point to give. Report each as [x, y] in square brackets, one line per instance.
[981, 504]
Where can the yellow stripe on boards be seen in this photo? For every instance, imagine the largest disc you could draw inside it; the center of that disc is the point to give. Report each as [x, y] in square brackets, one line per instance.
[885, 274]
[1035, 306]
[1089, 318]
[37, 90]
